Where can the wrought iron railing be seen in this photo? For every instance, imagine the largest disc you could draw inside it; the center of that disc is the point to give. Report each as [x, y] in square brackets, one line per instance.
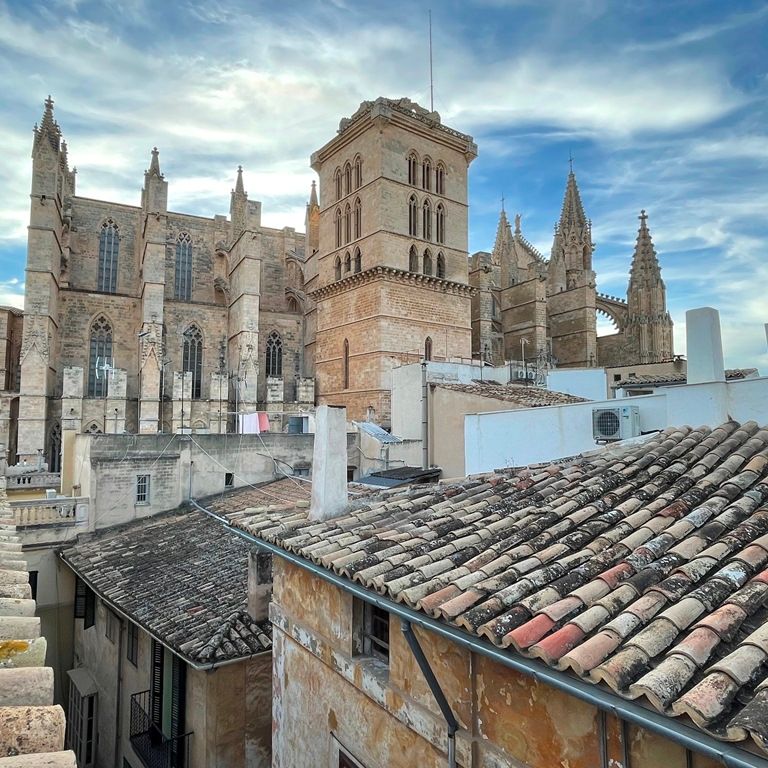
[151, 745]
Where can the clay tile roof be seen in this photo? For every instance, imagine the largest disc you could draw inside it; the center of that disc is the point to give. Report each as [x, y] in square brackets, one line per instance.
[661, 379]
[181, 578]
[642, 568]
[524, 397]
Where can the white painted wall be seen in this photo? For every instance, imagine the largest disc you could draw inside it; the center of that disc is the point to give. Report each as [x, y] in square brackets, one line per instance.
[581, 382]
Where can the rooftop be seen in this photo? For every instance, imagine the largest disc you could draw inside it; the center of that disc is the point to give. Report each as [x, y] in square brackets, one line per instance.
[640, 568]
[179, 577]
[662, 379]
[525, 397]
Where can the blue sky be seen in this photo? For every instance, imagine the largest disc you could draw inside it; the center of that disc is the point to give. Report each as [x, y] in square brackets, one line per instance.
[664, 106]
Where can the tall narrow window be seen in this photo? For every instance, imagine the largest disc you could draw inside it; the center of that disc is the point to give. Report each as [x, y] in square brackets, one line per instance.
[274, 355]
[426, 174]
[337, 224]
[347, 179]
[428, 348]
[358, 218]
[347, 263]
[413, 169]
[337, 268]
[427, 262]
[347, 224]
[440, 223]
[142, 489]
[358, 172]
[440, 179]
[192, 358]
[100, 359]
[345, 372]
[426, 224]
[440, 265]
[413, 259]
[183, 284]
[109, 248]
[132, 644]
[358, 260]
[413, 216]
[54, 449]
[337, 183]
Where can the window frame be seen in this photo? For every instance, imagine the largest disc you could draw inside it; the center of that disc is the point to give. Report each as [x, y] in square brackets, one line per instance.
[100, 342]
[192, 358]
[373, 645]
[182, 285]
[273, 363]
[143, 489]
[132, 643]
[82, 725]
[111, 625]
[109, 257]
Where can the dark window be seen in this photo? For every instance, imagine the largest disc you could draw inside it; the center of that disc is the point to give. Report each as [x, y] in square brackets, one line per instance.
[142, 489]
[347, 179]
[337, 268]
[183, 284]
[440, 223]
[426, 174]
[100, 362]
[112, 626]
[440, 265]
[346, 364]
[347, 224]
[413, 163]
[376, 632]
[132, 644]
[426, 223]
[358, 218]
[85, 603]
[413, 216]
[33, 584]
[337, 225]
[337, 183]
[413, 259]
[427, 262]
[193, 358]
[358, 173]
[109, 247]
[274, 355]
[54, 449]
[617, 377]
[440, 179]
[347, 263]
[358, 260]
[428, 348]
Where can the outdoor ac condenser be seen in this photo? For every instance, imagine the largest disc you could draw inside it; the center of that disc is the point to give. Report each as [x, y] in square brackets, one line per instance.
[615, 423]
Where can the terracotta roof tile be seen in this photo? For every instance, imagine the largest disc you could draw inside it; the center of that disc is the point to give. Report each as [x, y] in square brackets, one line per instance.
[639, 567]
[522, 396]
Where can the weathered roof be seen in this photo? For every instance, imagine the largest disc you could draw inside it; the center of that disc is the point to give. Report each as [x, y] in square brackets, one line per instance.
[375, 431]
[180, 577]
[661, 379]
[525, 397]
[642, 568]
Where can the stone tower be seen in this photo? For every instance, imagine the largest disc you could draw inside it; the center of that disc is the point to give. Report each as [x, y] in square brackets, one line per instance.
[649, 325]
[392, 278]
[53, 184]
[571, 285]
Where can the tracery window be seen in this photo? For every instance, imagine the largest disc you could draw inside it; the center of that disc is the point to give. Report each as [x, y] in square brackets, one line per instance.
[413, 169]
[426, 223]
[347, 179]
[358, 172]
[100, 357]
[54, 449]
[440, 223]
[358, 218]
[337, 183]
[274, 365]
[440, 179]
[337, 223]
[440, 265]
[183, 283]
[109, 249]
[192, 358]
[413, 216]
[413, 259]
[358, 260]
[426, 174]
[337, 268]
[427, 262]
[347, 224]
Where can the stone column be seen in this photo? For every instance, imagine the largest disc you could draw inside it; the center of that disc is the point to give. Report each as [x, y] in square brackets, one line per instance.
[182, 401]
[275, 402]
[218, 403]
[114, 421]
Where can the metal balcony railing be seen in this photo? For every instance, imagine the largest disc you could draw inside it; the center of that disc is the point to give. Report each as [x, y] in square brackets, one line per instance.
[152, 747]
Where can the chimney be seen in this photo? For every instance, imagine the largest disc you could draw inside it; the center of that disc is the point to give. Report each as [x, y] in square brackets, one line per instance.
[329, 463]
[704, 346]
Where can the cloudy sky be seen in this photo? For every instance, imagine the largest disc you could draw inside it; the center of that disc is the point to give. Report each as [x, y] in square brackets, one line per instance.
[662, 103]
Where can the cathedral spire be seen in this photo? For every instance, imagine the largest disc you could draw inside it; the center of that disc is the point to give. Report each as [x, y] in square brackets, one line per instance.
[239, 188]
[154, 164]
[503, 246]
[49, 129]
[645, 264]
[572, 213]
[313, 196]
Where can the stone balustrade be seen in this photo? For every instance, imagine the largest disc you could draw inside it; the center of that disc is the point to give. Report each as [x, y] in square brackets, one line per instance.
[30, 480]
[64, 510]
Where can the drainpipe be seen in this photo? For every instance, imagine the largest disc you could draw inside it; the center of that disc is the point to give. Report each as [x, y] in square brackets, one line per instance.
[424, 418]
[434, 686]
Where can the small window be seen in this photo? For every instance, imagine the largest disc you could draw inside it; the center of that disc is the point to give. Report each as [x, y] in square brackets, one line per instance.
[85, 603]
[33, 583]
[132, 644]
[428, 348]
[142, 489]
[112, 626]
[345, 370]
[229, 480]
[376, 632]
[617, 377]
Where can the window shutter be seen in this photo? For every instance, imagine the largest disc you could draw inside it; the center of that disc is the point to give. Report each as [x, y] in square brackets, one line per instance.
[90, 608]
[178, 706]
[79, 598]
[156, 685]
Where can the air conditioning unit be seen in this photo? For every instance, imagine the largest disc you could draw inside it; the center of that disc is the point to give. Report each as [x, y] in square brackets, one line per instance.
[529, 375]
[615, 423]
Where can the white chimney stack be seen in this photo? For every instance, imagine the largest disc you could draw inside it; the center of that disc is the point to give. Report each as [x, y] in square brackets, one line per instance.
[704, 346]
[329, 463]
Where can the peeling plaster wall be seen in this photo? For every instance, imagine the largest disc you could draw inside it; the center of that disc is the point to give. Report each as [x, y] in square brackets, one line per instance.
[386, 717]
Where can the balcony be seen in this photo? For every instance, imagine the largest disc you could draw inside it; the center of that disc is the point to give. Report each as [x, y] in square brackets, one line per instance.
[152, 747]
[58, 511]
[31, 480]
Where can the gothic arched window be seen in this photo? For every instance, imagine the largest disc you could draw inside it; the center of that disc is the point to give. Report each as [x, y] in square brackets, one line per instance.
[274, 355]
[337, 224]
[347, 263]
[337, 183]
[345, 363]
[54, 449]
[440, 223]
[358, 172]
[358, 260]
[347, 224]
[413, 216]
[426, 174]
[100, 357]
[358, 217]
[440, 179]
[426, 224]
[337, 268]
[183, 284]
[192, 358]
[440, 265]
[347, 179]
[109, 249]
[427, 262]
[413, 169]
[413, 259]
[428, 348]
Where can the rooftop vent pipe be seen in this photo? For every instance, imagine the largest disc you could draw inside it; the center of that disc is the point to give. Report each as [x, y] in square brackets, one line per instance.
[329, 463]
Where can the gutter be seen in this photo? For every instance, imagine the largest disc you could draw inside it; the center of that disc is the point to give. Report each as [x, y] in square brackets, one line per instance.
[691, 738]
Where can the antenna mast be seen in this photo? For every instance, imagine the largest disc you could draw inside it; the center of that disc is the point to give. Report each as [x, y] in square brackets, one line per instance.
[431, 81]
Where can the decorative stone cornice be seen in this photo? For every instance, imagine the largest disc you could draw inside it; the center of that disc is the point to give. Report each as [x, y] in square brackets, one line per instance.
[393, 275]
